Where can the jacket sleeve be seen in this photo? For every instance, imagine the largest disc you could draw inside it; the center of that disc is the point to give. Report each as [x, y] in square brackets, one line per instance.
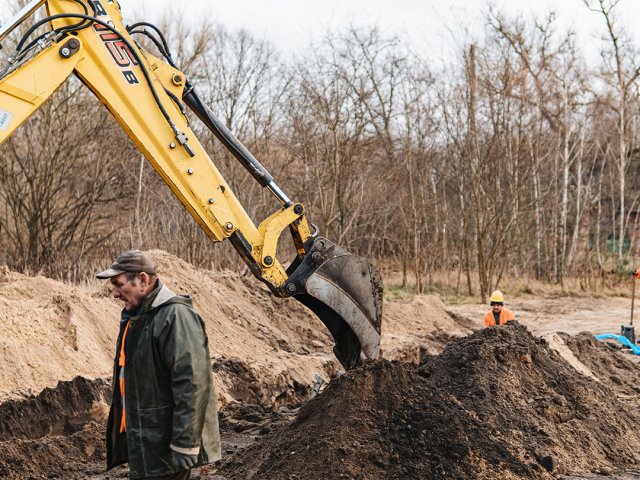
[183, 345]
[488, 319]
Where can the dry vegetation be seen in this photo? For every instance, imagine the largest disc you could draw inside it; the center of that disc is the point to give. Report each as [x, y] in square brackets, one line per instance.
[513, 158]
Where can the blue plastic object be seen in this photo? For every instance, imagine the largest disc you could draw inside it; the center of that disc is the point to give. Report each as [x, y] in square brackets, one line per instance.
[635, 349]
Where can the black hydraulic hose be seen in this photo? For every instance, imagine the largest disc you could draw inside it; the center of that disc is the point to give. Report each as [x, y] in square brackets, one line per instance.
[178, 103]
[39, 23]
[193, 101]
[126, 42]
[77, 27]
[80, 25]
[164, 53]
[165, 47]
[154, 40]
[227, 138]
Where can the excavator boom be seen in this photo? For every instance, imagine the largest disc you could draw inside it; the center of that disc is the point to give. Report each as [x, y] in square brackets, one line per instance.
[147, 96]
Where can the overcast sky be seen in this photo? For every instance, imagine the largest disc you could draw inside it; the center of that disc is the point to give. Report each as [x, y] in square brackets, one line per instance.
[426, 24]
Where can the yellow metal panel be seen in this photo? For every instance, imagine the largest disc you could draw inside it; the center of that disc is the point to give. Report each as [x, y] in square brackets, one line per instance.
[112, 72]
[26, 89]
[21, 94]
[271, 229]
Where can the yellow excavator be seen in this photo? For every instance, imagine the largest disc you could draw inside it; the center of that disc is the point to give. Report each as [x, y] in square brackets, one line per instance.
[149, 96]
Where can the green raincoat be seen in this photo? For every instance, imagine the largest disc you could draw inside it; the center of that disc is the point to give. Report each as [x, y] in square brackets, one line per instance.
[169, 395]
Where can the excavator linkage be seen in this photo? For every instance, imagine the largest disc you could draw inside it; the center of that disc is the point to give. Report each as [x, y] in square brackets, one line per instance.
[147, 96]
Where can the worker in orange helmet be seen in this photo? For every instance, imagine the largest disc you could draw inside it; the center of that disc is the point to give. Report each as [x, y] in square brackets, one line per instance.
[499, 314]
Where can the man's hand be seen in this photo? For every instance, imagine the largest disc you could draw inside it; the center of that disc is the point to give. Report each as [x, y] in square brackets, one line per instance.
[182, 461]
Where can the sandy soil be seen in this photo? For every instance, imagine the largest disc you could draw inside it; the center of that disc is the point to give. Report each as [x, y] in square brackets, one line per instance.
[59, 331]
[567, 314]
[439, 381]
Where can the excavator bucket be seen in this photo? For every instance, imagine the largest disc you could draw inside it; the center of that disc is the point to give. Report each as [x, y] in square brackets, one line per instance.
[345, 292]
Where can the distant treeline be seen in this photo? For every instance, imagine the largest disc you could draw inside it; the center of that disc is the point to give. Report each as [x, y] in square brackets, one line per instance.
[514, 156]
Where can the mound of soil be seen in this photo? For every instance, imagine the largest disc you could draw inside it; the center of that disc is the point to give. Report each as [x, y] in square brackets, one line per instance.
[73, 457]
[611, 363]
[55, 434]
[267, 354]
[535, 404]
[497, 404]
[58, 331]
[55, 411]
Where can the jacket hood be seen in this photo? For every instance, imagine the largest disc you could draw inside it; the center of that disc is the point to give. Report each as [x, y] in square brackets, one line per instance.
[163, 295]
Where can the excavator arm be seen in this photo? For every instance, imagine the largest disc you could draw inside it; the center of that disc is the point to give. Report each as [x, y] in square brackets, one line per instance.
[147, 97]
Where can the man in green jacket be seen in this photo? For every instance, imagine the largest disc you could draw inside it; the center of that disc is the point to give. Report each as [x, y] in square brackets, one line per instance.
[163, 419]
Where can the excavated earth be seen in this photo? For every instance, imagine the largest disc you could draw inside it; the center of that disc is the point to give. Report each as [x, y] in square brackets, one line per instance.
[497, 404]
[445, 402]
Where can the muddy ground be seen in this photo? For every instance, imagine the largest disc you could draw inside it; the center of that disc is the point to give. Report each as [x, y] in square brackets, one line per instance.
[449, 400]
[499, 403]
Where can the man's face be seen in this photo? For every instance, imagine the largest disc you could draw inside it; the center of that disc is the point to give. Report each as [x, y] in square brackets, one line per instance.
[497, 307]
[131, 292]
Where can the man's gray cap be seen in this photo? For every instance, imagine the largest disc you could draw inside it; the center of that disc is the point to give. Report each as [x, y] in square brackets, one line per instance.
[131, 261]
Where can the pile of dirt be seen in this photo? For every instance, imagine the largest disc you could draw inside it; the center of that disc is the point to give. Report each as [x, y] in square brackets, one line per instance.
[535, 404]
[52, 331]
[267, 350]
[57, 433]
[73, 457]
[55, 411]
[267, 355]
[60, 433]
[611, 363]
[417, 326]
[497, 404]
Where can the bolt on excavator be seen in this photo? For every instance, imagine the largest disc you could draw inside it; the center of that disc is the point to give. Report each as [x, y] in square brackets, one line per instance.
[149, 96]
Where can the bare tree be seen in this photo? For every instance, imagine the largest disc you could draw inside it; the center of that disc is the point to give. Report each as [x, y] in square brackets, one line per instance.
[554, 68]
[59, 192]
[621, 72]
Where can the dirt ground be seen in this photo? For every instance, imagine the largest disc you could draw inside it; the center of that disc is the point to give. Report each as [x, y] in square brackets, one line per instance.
[567, 314]
[449, 399]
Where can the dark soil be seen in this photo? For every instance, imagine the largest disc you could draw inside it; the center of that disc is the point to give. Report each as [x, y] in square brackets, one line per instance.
[55, 411]
[54, 434]
[498, 404]
[613, 364]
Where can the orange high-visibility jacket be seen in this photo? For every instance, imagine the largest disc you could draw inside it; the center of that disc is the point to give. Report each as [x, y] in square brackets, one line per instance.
[506, 315]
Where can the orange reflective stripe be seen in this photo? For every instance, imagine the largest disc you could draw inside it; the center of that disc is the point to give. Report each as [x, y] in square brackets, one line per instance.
[124, 335]
[121, 361]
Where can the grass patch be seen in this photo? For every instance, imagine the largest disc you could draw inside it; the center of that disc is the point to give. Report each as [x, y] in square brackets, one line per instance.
[454, 290]
[396, 292]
